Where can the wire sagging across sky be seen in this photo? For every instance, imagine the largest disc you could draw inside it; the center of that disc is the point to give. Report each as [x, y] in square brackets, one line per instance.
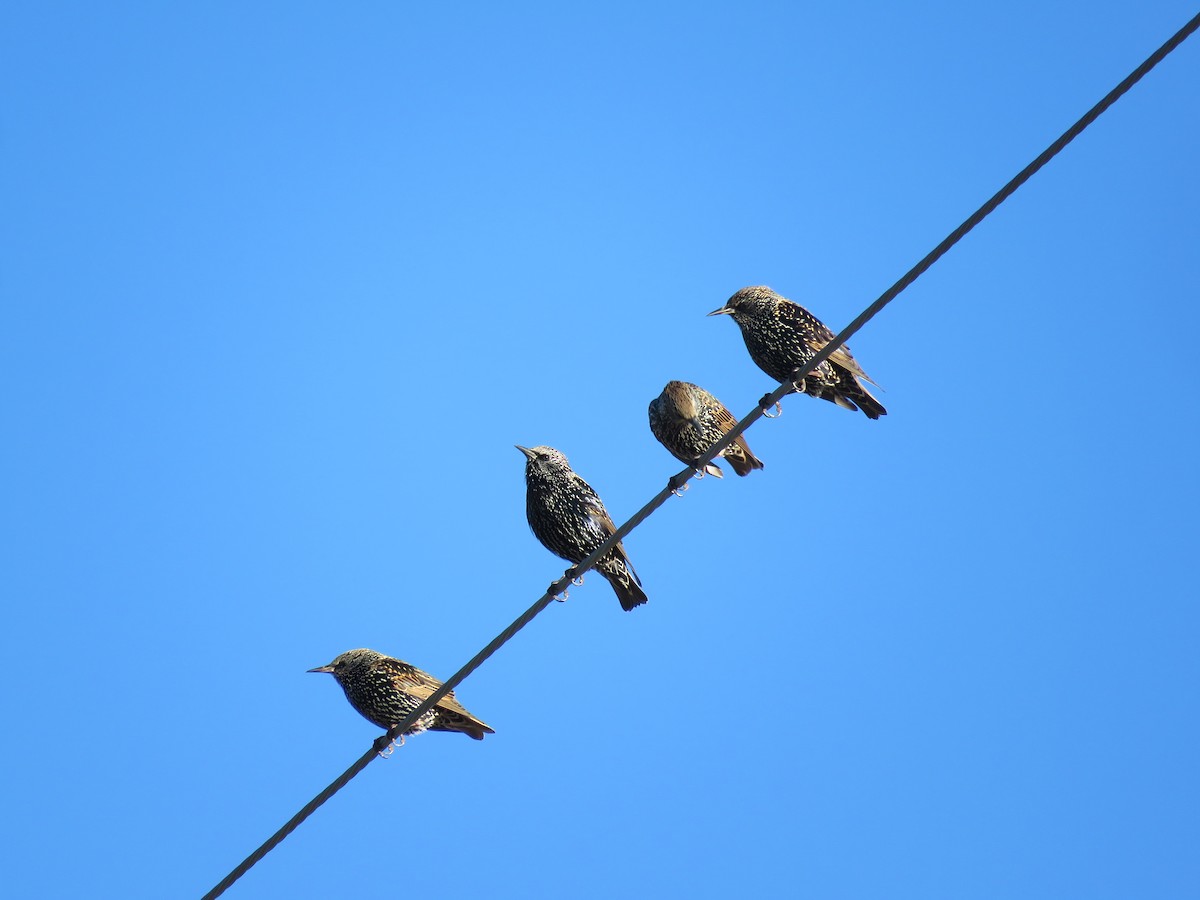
[681, 478]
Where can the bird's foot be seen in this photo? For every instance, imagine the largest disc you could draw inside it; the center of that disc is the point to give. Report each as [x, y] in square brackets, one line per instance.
[553, 592]
[577, 581]
[765, 403]
[385, 747]
[679, 483]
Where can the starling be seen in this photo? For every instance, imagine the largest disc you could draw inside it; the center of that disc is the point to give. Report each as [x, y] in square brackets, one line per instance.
[385, 690]
[687, 420]
[782, 336]
[568, 518]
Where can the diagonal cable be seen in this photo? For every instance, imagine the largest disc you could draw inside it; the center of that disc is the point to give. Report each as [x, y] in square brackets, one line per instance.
[678, 480]
[956, 235]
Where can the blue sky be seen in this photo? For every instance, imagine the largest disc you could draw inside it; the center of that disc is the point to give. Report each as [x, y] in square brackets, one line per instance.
[283, 284]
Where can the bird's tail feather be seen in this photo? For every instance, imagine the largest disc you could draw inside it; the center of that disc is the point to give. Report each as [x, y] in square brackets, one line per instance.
[625, 585]
[871, 407]
[476, 729]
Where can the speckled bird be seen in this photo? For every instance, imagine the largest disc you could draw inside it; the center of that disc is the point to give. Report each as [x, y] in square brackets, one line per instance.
[568, 518]
[687, 420]
[385, 690]
[782, 336]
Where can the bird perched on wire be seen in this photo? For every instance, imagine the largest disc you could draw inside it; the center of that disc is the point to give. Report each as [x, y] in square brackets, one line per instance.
[385, 690]
[782, 336]
[687, 420]
[568, 518]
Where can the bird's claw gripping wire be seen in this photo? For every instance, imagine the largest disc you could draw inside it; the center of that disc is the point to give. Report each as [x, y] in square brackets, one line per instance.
[386, 750]
[577, 581]
[765, 403]
[553, 591]
[679, 484]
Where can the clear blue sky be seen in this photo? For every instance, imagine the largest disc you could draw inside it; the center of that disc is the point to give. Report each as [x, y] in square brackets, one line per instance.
[283, 284]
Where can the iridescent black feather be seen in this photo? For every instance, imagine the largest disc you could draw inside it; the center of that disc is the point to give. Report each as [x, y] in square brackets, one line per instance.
[565, 514]
[385, 690]
[782, 336]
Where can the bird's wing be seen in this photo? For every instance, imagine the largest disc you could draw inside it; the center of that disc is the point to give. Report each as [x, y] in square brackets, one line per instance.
[421, 685]
[843, 358]
[597, 516]
[726, 420]
[724, 417]
[600, 519]
[817, 335]
[799, 319]
[601, 523]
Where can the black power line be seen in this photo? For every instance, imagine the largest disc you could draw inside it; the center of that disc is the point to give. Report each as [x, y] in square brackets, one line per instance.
[678, 480]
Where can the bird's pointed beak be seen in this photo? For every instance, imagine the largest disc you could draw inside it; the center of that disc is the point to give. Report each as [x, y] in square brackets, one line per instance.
[529, 454]
[326, 669]
[723, 311]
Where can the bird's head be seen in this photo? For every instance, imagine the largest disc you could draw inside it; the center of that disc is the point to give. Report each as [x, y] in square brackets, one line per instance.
[748, 303]
[683, 397]
[345, 664]
[544, 461]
